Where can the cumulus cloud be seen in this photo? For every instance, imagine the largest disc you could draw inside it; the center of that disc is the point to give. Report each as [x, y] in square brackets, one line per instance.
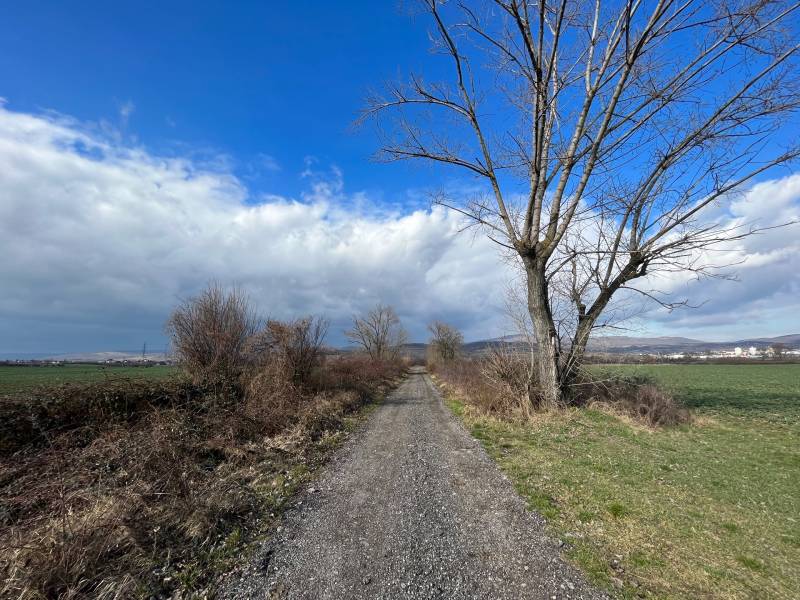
[99, 241]
[761, 296]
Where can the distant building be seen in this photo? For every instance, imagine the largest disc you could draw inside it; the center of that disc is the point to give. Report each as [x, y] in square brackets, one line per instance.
[752, 351]
[737, 351]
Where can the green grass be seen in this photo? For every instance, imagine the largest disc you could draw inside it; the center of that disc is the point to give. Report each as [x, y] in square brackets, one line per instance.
[708, 510]
[751, 391]
[19, 379]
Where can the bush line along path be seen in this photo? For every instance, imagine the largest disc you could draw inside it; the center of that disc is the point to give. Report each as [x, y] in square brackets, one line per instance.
[412, 507]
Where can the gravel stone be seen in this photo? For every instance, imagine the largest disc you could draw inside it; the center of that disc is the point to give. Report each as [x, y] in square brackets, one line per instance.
[413, 508]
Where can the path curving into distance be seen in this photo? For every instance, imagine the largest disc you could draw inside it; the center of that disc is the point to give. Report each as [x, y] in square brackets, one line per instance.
[411, 507]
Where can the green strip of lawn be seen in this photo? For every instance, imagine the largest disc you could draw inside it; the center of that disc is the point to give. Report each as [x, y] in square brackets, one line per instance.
[15, 379]
[708, 510]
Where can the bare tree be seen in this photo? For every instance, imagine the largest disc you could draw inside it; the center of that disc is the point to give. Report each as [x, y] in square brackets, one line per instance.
[379, 333]
[602, 131]
[779, 350]
[446, 341]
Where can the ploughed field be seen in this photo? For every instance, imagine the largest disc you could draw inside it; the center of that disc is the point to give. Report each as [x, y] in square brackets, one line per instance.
[705, 510]
[18, 378]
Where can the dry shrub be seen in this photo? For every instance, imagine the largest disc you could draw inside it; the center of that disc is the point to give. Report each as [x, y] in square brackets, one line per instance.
[82, 519]
[211, 334]
[635, 397]
[271, 398]
[137, 494]
[496, 383]
[356, 372]
[296, 345]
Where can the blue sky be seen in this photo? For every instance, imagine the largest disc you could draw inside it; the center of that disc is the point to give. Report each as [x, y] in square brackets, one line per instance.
[148, 148]
[282, 79]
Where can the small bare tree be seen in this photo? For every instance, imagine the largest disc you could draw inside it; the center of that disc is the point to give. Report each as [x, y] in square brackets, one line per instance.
[211, 333]
[602, 131]
[779, 350]
[446, 341]
[379, 333]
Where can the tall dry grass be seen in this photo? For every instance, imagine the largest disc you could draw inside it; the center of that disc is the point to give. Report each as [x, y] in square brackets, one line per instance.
[495, 383]
[498, 382]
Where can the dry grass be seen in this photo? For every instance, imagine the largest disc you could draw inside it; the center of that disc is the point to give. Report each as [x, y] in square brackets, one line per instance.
[497, 385]
[123, 489]
[637, 398]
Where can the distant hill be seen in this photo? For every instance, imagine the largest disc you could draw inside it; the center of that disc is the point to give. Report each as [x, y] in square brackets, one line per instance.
[614, 344]
[621, 344]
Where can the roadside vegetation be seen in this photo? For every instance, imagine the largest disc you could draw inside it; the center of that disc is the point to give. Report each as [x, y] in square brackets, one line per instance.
[703, 505]
[151, 487]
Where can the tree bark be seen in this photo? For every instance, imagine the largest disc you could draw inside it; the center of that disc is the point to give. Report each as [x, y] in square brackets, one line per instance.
[545, 387]
[577, 349]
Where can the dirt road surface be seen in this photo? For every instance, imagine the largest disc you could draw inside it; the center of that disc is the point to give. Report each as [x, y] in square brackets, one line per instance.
[411, 507]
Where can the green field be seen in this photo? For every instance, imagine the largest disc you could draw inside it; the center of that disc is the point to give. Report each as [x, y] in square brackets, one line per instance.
[707, 510]
[20, 379]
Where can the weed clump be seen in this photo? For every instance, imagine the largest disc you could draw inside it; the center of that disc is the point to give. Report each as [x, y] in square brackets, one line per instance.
[636, 397]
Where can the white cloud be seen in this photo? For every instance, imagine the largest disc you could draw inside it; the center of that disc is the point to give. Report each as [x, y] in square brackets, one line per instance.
[765, 297]
[266, 162]
[125, 111]
[99, 241]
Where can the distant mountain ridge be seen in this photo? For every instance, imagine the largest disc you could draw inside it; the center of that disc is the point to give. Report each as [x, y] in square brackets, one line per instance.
[621, 344]
[613, 344]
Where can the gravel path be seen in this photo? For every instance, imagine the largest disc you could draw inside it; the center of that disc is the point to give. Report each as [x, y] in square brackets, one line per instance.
[411, 507]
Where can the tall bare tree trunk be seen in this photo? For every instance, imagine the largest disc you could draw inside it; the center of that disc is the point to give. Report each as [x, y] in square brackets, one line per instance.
[547, 393]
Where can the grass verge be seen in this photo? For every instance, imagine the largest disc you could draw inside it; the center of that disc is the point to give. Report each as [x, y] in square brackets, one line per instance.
[707, 510]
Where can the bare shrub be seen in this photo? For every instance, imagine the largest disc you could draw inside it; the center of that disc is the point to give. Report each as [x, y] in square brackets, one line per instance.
[297, 345]
[635, 397]
[210, 334]
[379, 333]
[506, 371]
[356, 372]
[496, 383]
[272, 398]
